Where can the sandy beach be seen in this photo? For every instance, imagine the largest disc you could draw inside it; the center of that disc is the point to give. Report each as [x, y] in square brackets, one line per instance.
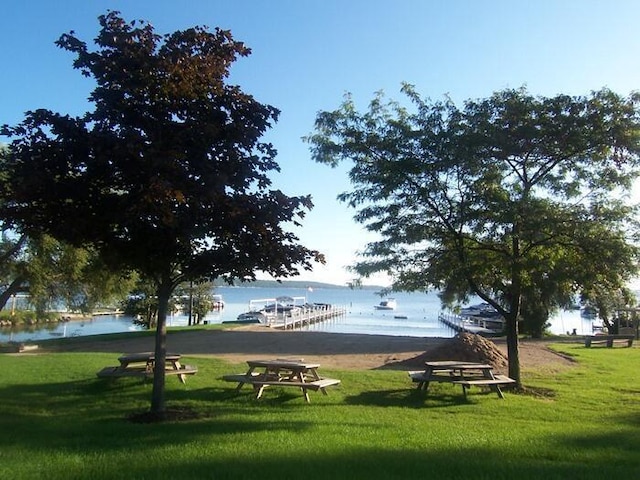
[334, 350]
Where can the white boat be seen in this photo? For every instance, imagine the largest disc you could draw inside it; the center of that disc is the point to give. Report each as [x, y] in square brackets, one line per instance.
[491, 326]
[218, 302]
[388, 304]
[249, 317]
[268, 310]
[482, 319]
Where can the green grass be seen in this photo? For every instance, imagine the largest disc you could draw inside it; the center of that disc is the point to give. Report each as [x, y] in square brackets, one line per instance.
[58, 420]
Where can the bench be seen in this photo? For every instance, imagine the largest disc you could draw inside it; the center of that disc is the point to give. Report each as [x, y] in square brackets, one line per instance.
[115, 372]
[444, 375]
[495, 382]
[421, 376]
[315, 385]
[608, 340]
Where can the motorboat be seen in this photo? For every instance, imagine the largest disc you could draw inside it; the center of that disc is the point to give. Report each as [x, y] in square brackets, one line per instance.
[482, 319]
[249, 317]
[488, 326]
[388, 304]
[268, 310]
[218, 302]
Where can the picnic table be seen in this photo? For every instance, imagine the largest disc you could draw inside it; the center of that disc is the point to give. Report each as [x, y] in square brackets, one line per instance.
[282, 373]
[142, 364]
[466, 374]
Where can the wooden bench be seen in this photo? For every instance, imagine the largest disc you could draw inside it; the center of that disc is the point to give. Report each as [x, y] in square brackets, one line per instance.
[421, 376]
[495, 382]
[608, 340]
[115, 372]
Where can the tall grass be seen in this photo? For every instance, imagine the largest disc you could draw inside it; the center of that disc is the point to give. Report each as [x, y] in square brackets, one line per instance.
[58, 420]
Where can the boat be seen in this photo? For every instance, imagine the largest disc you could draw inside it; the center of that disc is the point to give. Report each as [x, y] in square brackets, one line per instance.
[266, 310]
[388, 304]
[248, 317]
[482, 319]
[484, 326]
[218, 302]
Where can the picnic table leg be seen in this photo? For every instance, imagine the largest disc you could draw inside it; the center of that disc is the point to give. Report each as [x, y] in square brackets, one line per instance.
[248, 374]
[300, 376]
[176, 366]
[496, 388]
[260, 390]
[424, 385]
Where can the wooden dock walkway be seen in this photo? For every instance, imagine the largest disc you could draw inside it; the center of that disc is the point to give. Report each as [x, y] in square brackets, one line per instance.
[304, 316]
[457, 323]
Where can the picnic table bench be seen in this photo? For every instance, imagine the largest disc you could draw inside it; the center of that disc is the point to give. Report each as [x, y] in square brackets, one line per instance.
[282, 373]
[609, 340]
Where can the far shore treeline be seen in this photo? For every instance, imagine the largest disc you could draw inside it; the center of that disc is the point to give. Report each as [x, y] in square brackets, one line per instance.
[292, 284]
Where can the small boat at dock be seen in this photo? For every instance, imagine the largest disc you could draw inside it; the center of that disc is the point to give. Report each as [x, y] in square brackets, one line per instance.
[287, 312]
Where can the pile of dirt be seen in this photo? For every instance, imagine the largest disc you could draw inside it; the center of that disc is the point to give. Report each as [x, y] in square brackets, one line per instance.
[469, 347]
[465, 347]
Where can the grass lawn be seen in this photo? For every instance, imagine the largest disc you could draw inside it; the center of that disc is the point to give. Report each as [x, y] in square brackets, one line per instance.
[58, 420]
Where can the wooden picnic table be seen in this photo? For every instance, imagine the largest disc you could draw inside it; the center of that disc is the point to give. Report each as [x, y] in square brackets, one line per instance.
[148, 360]
[141, 364]
[466, 374]
[282, 373]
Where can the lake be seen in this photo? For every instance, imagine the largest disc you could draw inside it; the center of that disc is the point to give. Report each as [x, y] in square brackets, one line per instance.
[420, 309]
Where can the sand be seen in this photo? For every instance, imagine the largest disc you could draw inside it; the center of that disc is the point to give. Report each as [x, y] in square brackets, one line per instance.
[334, 350]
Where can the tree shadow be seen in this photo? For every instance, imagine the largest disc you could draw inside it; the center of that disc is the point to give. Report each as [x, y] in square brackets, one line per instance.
[412, 398]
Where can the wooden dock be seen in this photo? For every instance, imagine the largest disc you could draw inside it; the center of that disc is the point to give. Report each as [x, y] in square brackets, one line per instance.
[457, 323]
[304, 316]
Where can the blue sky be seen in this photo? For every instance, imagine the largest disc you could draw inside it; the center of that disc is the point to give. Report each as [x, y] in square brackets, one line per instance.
[307, 54]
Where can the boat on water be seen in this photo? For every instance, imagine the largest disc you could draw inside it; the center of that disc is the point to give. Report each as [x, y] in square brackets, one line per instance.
[388, 304]
[218, 302]
[249, 317]
[265, 310]
[482, 319]
[589, 312]
[483, 326]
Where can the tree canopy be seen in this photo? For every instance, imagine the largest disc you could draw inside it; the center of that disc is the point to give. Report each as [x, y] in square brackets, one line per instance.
[167, 175]
[508, 198]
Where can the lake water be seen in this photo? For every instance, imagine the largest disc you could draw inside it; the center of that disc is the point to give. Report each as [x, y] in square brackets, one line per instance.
[420, 309]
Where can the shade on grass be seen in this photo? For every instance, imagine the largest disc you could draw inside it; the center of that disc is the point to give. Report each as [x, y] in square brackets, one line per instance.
[60, 421]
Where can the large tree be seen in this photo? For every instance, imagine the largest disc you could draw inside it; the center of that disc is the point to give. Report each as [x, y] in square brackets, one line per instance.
[493, 199]
[167, 175]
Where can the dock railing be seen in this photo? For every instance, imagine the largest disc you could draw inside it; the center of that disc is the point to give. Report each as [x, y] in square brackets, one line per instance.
[306, 315]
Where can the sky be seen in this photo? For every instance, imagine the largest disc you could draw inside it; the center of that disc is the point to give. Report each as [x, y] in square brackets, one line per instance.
[306, 54]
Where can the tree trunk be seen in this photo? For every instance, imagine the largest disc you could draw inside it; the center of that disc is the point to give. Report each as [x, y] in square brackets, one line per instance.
[513, 352]
[157, 395]
[16, 286]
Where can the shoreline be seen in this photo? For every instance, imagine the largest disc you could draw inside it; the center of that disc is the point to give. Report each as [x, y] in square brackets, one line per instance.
[349, 351]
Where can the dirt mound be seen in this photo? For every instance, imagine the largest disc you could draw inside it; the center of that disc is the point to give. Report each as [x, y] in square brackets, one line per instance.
[469, 347]
[465, 347]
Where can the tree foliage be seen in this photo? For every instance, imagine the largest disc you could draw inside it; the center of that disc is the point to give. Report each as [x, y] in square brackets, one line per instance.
[167, 175]
[512, 198]
[51, 272]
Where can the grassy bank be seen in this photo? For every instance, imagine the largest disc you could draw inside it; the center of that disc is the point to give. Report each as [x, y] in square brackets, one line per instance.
[59, 421]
